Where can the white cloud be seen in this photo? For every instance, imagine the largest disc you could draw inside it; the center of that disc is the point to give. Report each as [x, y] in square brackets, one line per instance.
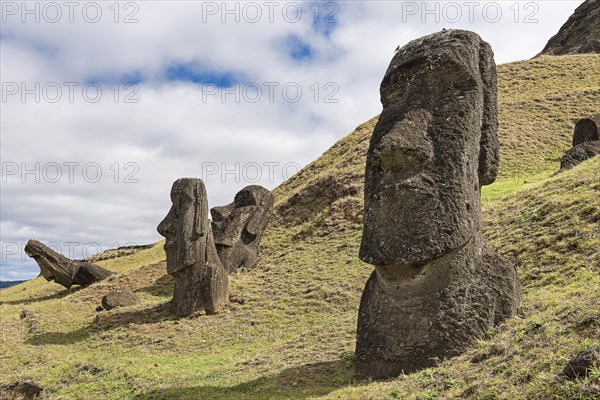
[172, 130]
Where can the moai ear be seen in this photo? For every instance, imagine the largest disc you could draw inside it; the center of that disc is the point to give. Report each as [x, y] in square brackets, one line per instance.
[256, 220]
[489, 149]
[200, 210]
[259, 218]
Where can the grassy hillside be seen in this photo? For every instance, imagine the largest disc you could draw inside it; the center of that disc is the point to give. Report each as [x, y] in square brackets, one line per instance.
[289, 329]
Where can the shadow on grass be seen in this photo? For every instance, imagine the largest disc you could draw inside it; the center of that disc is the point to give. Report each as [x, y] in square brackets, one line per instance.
[58, 295]
[298, 382]
[104, 322]
[162, 287]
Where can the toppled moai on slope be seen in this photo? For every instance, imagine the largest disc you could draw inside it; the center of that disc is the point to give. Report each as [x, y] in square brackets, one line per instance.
[586, 142]
[201, 281]
[62, 270]
[436, 286]
[238, 227]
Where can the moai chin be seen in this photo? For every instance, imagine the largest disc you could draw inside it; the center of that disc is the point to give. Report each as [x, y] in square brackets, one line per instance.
[436, 286]
[201, 281]
[238, 227]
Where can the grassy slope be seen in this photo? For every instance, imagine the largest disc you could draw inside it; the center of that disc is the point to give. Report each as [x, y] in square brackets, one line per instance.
[289, 330]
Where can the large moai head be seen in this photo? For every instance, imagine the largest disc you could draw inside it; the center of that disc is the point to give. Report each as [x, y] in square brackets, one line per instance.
[186, 226]
[238, 227]
[434, 146]
[436, 285]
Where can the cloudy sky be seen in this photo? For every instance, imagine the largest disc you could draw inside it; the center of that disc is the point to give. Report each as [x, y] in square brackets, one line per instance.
[105, 104]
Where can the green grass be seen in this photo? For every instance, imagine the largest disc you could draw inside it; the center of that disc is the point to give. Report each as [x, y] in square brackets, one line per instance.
[289, 329]
[506, 186]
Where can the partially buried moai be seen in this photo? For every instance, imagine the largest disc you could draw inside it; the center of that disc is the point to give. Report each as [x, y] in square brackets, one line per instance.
[586, 143]
[201, 281]
[238, 227]
[436, 286]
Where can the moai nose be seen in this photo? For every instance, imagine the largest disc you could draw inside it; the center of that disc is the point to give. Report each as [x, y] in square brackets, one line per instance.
[403, 155]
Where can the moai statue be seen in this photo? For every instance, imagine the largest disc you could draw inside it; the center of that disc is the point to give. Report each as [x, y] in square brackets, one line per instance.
[238, 227]
[62, 270]
[201, 281]
[586, 130]
[436, 286]
[586, 143]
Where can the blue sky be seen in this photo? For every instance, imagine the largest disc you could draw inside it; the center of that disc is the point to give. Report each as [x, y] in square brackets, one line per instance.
[218, 94]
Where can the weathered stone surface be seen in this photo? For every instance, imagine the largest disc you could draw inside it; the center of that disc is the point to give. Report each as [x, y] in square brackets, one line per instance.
[201, 281]
[119, 298]
[581, 365]
[58, 268]
[586, 130]
[436, 286]
[580, 34]
[238, 227]
[579, 154]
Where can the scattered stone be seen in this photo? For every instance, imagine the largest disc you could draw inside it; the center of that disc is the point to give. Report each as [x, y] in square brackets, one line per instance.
[581, 365]
[58, 268]
[586, 130]
[436, 286]
[20, 391]
[578, 154]
[238, 227]
[119, 298]
[88, 369]
[201, 281]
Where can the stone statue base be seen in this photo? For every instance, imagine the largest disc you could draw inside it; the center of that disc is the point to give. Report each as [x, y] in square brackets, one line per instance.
[411, 316]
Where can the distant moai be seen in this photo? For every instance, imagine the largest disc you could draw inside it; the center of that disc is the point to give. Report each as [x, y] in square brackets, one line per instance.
[238, 227]
[201, 281]
[586, 142]
[436, 286]
[586, 130]
[62, 270]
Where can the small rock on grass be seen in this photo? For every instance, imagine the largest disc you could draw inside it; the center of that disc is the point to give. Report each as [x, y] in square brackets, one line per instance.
[581, 365]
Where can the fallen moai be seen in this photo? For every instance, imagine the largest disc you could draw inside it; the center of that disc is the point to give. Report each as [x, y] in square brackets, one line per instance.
[58, 268]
